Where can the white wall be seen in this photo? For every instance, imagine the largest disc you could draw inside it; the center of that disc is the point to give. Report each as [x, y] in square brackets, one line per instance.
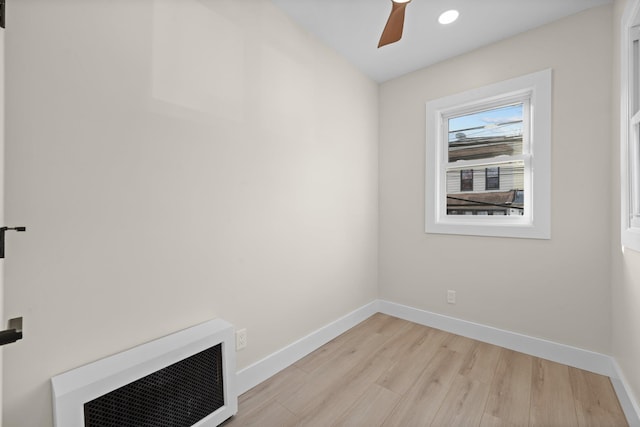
[554, 289]
[176, 161]
[625, 283]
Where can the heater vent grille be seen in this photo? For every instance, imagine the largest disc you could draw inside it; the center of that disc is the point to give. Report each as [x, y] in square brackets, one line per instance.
[179, 395]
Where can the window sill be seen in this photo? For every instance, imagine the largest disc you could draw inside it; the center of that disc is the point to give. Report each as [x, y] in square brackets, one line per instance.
[489, 227]
[631, 238]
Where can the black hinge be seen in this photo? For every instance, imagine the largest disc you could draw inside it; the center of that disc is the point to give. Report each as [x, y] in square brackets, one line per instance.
[2, 13]
[2, 231]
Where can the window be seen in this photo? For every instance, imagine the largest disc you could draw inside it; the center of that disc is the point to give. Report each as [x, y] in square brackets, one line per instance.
[496, 133]
[492, 178]
[630, 127]
[466, 180]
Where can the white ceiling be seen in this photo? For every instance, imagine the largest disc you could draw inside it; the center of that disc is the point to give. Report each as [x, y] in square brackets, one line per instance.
[353, 28]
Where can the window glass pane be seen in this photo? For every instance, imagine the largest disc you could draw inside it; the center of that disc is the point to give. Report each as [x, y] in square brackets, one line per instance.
[635, 83]
[506, 199]
[492, 178]
[486, 134]
[635, 173]
[466, 180]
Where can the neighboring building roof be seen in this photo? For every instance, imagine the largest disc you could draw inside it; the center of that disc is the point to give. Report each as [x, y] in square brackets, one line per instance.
[505, 199]
[483, 148]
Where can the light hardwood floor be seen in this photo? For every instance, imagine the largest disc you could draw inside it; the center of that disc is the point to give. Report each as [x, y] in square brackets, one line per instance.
[390, 372]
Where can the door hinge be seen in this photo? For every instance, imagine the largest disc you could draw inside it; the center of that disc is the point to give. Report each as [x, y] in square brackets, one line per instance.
[2, 231]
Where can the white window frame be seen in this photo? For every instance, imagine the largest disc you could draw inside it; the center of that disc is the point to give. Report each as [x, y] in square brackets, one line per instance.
[630, 127]
[535, 91]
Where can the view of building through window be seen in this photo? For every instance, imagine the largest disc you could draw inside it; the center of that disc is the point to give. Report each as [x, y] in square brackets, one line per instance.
[481, 177]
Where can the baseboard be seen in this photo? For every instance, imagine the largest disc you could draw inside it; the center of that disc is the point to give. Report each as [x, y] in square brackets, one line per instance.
[258, 372]
[567, 355]
[625, 396]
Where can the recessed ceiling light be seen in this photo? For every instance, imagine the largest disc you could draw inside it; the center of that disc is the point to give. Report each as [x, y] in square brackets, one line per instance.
[448, 17]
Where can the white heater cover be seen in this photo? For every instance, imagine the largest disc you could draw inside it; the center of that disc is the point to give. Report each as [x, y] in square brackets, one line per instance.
[73, 389]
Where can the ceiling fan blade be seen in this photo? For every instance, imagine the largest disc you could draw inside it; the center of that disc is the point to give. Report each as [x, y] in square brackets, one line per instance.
[393, 30]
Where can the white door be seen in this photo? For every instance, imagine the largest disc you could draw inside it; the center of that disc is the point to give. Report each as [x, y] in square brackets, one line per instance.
[1, 198]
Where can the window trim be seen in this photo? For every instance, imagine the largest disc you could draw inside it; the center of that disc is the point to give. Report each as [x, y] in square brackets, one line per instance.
[629, 130]
[537, 223]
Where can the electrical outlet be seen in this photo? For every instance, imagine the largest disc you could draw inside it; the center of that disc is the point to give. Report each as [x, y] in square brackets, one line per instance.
[241, 339]
[451, 297]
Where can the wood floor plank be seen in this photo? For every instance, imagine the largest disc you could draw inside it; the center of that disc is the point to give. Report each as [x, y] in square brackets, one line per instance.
[422, 401]
[386, 371]
[383, 324]
[329, 378]
[510, 392]
[331, 404]
[320, 356]
[458, 343]
[406, 340]
[269, 414]
[489, 420]
[350, 339]
[552, 402]
[284, 385]
[378, 324]
[409, 366]
[480, 362]
[596, 405]
[464, 404]
[370, 409]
